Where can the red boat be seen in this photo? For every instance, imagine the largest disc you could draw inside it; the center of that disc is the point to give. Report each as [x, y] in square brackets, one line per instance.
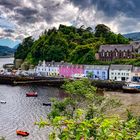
[22, 133]
[31, 94]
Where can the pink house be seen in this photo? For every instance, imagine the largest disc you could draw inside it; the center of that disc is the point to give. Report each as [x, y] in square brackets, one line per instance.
[69, 70]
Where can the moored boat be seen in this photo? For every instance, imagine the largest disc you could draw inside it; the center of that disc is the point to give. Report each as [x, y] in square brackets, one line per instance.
[132, 88]
[47, 104]
[2, 102]
[22, 133]
[32, 94]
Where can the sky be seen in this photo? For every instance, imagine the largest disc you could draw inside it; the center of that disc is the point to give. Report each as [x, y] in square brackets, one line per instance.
[23, 18]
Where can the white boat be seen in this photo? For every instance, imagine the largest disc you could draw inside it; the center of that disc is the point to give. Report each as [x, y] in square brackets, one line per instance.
[132, 88]
[2, 102]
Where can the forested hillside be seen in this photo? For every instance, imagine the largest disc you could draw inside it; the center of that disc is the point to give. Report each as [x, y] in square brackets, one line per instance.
[68, 43]
[6, 51]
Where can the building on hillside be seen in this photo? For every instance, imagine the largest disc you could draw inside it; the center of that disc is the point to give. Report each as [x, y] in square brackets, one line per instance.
[120, 72]
[97, 71]
[136, 46]
[48, 68]
[136, 74]
[111, 52]
[69, 70]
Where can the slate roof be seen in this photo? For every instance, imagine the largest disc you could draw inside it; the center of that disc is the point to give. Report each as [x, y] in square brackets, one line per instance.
[120, 47]
[120, 67]
[97, 67]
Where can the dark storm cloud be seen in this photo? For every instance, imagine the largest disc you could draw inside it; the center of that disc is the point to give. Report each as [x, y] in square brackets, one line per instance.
[112, 7]
[26, 11]
[26, 15]
[9, 3]
[9, 30]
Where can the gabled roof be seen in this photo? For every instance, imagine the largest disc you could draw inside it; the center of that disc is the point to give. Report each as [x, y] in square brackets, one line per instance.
[120, 47]
[120, 67]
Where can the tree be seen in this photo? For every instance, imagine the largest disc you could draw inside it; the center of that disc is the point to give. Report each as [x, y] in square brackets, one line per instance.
[24, 48]
[101, 30]
[80, 116]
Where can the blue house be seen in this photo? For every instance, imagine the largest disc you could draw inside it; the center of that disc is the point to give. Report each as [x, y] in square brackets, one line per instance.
[97, 71]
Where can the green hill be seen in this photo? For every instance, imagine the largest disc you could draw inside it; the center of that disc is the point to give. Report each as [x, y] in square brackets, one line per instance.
[68, 43]
[6, 51]
[134, 36]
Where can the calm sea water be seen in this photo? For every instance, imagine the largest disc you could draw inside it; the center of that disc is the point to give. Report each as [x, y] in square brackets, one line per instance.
[5, 61]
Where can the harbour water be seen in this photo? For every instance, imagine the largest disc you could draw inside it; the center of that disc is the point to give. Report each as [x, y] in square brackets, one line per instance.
[21, 112]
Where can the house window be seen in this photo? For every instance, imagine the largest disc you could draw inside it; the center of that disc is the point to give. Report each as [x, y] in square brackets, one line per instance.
[97, 72]
[124, 54]
[118, 73]
[87, 72]
[116, 53]
[103, 73]
[103, 54]
[107, 54]
[127, 74]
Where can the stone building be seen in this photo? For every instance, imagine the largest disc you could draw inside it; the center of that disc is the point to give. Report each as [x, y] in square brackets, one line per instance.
[112, 52]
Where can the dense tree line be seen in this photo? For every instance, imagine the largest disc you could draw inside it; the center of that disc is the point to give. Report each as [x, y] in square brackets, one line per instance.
[68, 43]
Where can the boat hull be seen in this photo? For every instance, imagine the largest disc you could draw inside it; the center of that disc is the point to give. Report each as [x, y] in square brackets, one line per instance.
[47, 104]
[22, 133]
[130, 90]
[3, 102]
[32, 94]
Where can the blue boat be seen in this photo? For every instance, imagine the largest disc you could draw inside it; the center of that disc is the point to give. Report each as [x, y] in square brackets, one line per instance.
[131, 88]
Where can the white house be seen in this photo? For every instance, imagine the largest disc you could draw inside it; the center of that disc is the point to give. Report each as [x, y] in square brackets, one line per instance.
[120, 72]
[47, 68]
[98, 71]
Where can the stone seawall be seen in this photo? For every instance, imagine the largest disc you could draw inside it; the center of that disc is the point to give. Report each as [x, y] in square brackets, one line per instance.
[56, 81]
[108, 85]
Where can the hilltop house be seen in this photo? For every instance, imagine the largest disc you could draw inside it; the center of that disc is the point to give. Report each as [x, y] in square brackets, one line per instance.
[69, 70]
[47, 68]
[98, 71]
[120, 72]
[111, 52]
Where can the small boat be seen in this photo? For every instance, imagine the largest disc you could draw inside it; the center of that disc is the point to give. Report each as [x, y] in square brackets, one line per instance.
[3, 102]
[131, 88]
[47, 104]
[22, 133]
[31, 94]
